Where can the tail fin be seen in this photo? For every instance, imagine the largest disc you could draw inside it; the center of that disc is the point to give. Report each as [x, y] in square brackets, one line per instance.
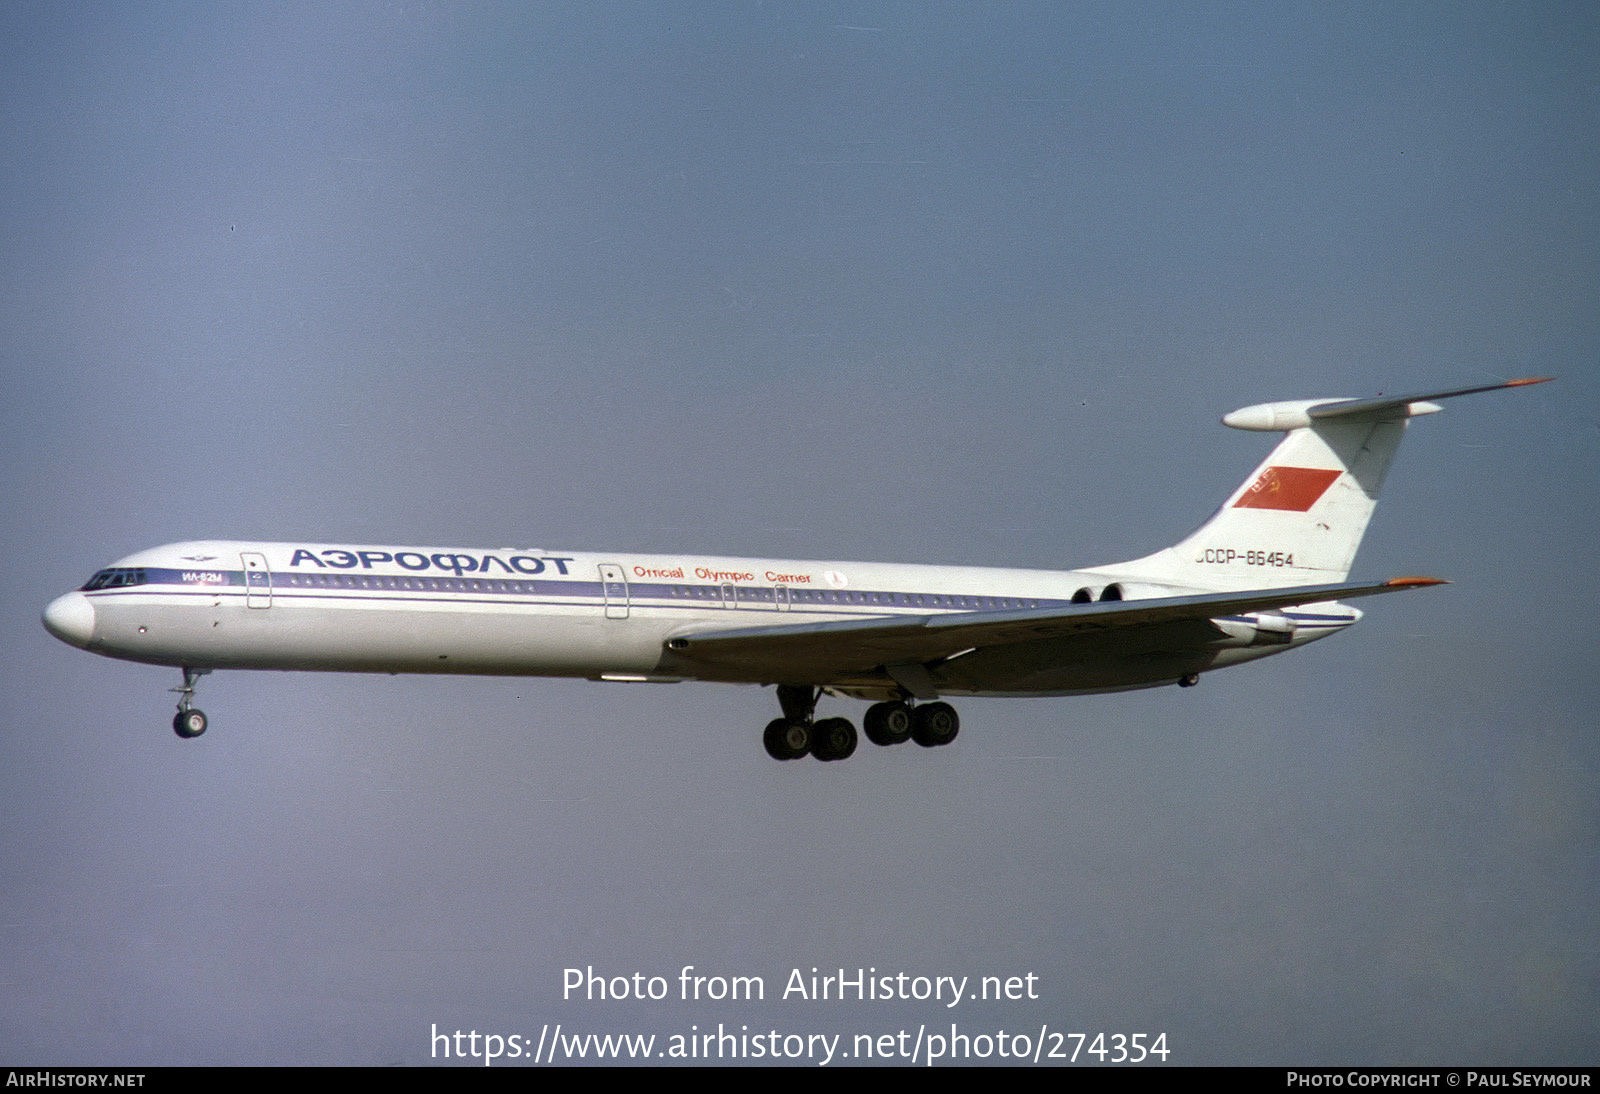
[1299, 518]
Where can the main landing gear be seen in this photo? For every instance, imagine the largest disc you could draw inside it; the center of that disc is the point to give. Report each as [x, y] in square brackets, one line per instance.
[797, 732]
[190, 721]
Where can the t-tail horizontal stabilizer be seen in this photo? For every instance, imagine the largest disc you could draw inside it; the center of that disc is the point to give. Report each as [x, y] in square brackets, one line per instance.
[1298, 414]
[1299, 518]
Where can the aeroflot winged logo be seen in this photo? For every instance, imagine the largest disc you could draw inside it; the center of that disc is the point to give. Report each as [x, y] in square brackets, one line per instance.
[1294, 489]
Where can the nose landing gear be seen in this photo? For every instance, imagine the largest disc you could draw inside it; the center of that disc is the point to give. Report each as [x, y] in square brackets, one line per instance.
[190, 721]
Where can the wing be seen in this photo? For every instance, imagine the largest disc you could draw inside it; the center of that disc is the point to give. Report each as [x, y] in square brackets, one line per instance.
[849, 647]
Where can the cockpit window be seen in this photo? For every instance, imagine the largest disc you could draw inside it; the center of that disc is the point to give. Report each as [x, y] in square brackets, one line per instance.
[113, 578]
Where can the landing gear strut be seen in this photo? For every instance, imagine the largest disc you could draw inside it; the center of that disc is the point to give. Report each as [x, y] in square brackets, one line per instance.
[790, 737]
[797, 732]
[190, 721]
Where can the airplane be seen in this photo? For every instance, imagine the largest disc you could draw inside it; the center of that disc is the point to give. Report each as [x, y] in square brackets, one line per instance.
[1266, 573]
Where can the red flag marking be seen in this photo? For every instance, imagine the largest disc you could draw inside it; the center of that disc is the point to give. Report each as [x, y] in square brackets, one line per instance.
[1294, 489]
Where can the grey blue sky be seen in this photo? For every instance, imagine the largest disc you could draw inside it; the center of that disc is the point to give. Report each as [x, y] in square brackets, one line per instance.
[948, 283]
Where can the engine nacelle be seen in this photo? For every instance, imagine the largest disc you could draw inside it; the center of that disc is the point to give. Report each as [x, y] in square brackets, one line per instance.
[1272, 629]
[1130, 590]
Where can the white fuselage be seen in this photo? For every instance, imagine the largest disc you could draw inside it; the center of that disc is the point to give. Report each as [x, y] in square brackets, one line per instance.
[528, 611]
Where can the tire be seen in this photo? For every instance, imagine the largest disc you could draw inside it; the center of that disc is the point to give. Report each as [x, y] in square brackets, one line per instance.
[189, 724]
[833, 739]
[936, 725]
[786, 740]
[889, 723]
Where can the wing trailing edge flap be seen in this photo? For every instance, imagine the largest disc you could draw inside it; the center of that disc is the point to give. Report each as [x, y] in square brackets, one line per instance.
[903, 641]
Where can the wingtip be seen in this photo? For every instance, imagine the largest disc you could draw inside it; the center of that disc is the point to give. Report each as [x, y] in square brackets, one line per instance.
[1526, 380]
[1414, 582]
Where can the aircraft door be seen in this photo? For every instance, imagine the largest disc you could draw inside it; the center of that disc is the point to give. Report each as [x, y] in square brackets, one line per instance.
[614, 586]
[780, 597]
[257, 580]
[730, 595]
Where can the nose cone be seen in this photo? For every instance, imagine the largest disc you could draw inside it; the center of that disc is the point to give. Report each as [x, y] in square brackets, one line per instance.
[71, 619]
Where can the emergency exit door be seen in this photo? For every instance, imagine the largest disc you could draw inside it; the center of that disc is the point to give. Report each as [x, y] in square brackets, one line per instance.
[257, 580]
[614, 586]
